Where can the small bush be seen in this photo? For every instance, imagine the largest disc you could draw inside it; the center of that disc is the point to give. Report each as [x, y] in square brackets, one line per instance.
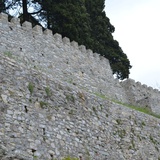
[70, 98]
[70, 158]
[42, 104]
[48, 91]
[8, 54]
[31, 87]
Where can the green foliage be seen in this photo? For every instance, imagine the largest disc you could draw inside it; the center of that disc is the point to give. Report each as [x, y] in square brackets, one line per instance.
[94, 109]
[143, 123]
[70, 158]
[8, 54]
[48, 91]
[132, 144]
[35, 157]
[100, 95]
[103, 42]
[31, 87]
[2, 5]
[119, 121]
[42, 104]
[70, 98]
[152, 139]
[143, 110]
[140, 109]
[121, 133]
[71, 112]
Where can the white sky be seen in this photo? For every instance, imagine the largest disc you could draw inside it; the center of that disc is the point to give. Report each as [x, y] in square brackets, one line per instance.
[137, 29]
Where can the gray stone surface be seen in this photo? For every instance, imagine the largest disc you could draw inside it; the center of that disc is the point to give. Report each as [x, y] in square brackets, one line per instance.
[52, 102]
[142, 95]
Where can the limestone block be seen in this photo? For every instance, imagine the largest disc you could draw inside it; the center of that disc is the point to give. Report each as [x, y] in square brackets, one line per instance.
[4, 98]
[66, 41]
[27, 25]
[15, 21]
[38, 29]
[3, 18]
[82, 48]
[48, 32]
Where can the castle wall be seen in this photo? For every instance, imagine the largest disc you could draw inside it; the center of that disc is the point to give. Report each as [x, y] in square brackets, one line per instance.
[58, 57]
[45, 118]
[52, 103]
[142, 95]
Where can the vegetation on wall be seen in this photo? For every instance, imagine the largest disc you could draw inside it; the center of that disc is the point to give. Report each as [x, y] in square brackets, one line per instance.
[84, 21]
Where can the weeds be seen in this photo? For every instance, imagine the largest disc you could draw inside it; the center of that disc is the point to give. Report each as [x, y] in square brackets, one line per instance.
[140, 109]
[119, 121]
[31, 87]
[48, 91]
[70, 98]
[42, 104]
[70, 158]
[8, 54]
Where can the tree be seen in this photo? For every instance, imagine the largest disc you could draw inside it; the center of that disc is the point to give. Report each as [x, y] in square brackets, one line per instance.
[2, 6]
[69, 18]
[25, 10]
[103, 40]
[19, 7]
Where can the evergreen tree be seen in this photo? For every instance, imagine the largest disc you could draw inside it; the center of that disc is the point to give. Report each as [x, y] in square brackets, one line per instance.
[20, 7]
[69, 18]
[103, 41]
[2, 6]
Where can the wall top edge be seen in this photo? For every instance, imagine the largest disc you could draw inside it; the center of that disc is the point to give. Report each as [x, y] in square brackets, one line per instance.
[139, 84]
[15, 22]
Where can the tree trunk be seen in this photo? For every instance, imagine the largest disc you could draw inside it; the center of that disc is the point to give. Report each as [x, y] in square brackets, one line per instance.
[25, 11]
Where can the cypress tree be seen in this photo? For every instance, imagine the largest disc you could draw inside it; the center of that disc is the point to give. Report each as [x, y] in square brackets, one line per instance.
[103, 41]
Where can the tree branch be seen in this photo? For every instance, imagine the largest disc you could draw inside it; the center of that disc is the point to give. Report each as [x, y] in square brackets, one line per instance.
[36, 12]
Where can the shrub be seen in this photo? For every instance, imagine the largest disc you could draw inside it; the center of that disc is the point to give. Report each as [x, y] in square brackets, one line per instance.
[31, 87]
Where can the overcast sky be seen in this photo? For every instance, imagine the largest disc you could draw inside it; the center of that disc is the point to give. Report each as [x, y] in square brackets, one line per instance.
[137, 29]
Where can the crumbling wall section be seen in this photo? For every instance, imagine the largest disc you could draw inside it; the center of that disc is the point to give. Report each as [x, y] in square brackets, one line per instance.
[142, 95]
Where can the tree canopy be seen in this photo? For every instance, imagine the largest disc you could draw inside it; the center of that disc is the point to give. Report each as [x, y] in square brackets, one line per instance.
[84, 21]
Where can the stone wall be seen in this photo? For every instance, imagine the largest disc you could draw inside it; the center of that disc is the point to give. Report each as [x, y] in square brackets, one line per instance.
[52, 102]
[69, 62]
[142, 95]
[44, 118]
[58, 56]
